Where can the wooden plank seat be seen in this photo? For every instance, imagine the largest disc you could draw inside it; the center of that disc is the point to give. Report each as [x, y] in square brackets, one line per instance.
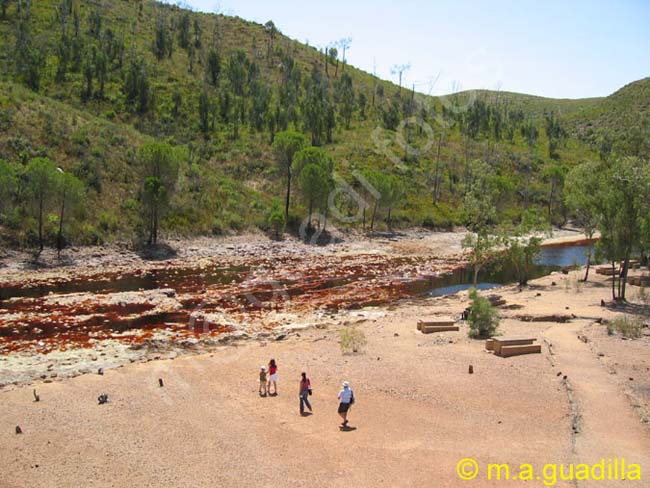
[606, 271]
[500, 342]
[428, 329]
[639, 280]
[436, 323]
[517, 350]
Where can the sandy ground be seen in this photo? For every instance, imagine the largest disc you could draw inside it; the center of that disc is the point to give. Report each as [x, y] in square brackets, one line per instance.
[418, 410]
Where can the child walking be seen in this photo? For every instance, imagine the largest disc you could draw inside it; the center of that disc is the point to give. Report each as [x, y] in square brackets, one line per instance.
[263, 381]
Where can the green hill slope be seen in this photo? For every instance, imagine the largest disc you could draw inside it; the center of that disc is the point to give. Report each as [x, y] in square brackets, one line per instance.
[87, 83]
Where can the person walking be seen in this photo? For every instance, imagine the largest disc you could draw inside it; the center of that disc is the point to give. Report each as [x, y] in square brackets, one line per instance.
[263, 381]
[346, 399]
[304, 392]
[273, 378]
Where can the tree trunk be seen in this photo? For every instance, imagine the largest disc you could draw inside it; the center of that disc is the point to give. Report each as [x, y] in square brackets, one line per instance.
[626, 265]
[59, 237]
[40, 223]
[613, 281]
[390, 229]
[588, 263]
[286, 205]
[372, 220]
[436, 180]
[309, 221]
[550, 201]
[477, 268]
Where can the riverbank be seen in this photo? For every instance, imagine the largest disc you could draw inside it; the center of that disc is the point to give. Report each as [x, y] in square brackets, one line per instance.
[65, 321]
[418, 411]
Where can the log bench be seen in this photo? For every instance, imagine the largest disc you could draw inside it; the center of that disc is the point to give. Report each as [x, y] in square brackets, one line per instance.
[639, 280]
[608, 271]
[436, 323]
[500, 342]
[428, 329]
[507, 351]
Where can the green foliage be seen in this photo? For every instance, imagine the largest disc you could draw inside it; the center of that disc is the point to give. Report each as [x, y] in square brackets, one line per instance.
[8, 186]
[285, 146]
[258, 83]
[160, 163]
[523, 243]
[352, 340]
[276, 219]
[41, 177]
[483, 318]
[136, 85]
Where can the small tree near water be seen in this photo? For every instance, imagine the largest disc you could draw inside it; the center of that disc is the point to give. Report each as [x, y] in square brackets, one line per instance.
[483, 318]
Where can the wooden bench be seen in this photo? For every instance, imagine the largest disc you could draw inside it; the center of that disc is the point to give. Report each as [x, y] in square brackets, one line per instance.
[606, 271]
[507, 351]
[428, 329]
[500, 342]
[436, 323]
[638, 280]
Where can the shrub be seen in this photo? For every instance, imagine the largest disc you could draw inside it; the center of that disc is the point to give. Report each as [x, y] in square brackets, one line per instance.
[628, 327]
[483, 318]
[276, 219]
[352, 339]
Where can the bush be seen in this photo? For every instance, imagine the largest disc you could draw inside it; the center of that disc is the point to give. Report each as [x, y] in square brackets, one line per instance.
[483, 318]
[352, 339]
[627, 327]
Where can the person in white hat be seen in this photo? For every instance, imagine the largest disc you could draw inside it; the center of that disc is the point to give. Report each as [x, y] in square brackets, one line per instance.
[263, 381]
[346, 399]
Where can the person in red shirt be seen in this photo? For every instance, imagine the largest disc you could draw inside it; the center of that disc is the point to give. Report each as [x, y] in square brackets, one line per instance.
[273, 378]
[305, 391]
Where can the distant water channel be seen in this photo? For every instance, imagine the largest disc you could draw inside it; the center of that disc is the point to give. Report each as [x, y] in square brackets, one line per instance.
[549, 259]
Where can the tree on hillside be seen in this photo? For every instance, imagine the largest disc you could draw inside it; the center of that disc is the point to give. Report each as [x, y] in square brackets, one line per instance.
[163, 45]
[271, 32]
[554, 174]
[345, 44]
[392, 193]
[345, 95]
[8, 185]
[29, 60]
[399, 70]
[3, 7]
[159, 163]
[314, 186]
[70, 192]
[41, 178]
[204, 112]
[213, 67]
[313, 155]
[184, 31]
[314, 167]
[136, 85]
[285, 146]
[583, 200]
[555, 134]
[479, 217]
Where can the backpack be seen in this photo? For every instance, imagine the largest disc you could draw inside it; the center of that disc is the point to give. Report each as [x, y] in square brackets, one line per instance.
[352, 398]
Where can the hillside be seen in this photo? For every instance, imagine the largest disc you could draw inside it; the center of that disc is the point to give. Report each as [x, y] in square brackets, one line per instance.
[86, 84]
